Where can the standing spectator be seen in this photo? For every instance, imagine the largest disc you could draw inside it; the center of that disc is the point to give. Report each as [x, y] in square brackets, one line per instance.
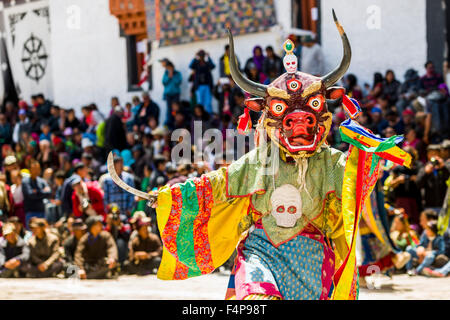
[431, 80]
[14, 253]
[313, 61]
[114, 103]
[224, 92]
[114, 194]
[256, 62]
[405, 191]
[352, 87]
[224, 63]
[44, 251]
[43, 106]
[160, 166]
[272, 63]
[21, 126]
[148, 109]
[17, 194]
[172, 88]
[145, 250]
[70, 120]
[5, 131]
[35, 190]
[55, 119]
[87, 199]
[115, 133]
[202, 66]
[78, 230]
[96, 253]
[391, 87]
[80, 171]
[432, 179]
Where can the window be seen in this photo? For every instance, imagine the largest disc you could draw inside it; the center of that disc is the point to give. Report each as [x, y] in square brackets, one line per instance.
[305, 15]
[132, 20]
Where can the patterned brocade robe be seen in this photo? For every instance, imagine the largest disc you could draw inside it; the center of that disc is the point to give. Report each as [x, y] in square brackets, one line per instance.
[205, 219]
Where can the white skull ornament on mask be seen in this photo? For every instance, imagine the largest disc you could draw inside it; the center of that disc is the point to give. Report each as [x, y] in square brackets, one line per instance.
[286, 206]
[290, 63]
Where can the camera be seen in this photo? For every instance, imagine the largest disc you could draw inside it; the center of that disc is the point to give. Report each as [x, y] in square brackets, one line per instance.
[85, 203]
[434, 162]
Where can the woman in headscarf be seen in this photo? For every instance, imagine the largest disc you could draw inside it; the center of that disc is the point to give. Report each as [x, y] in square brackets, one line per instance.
[257, 60]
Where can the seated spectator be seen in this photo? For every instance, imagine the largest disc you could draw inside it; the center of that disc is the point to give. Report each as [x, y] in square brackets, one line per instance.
[87, 199]
[431, 245]
[20, 230]
[70, 244]
[401, 233]
[14, 253]
[145, 250]
[117, 226]
[431, 80]
[444, 270]
[44, 251]
[96, 253]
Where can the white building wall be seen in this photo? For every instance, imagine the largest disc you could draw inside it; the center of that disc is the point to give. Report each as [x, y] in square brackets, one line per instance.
[89, 56]
[398, 44]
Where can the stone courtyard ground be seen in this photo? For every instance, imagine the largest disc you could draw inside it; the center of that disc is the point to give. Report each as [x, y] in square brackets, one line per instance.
[210, 287]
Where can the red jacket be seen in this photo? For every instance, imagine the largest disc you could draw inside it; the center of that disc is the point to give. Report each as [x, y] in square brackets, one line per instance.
[95, 196]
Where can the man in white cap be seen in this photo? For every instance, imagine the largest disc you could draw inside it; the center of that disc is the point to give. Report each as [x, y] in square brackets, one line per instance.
[14, 252]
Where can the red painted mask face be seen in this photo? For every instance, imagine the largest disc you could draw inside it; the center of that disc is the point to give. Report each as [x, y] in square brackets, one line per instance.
[298, 122]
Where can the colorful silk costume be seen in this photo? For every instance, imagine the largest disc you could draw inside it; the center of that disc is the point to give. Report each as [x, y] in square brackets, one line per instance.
[291, 206]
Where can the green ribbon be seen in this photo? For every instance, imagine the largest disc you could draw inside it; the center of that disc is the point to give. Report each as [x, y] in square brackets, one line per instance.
[386, 144]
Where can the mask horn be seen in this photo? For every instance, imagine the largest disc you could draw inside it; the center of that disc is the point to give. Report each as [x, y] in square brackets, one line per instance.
[335, 75]
[245, 84]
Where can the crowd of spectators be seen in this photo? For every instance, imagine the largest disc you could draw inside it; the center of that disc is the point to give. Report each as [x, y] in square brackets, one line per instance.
[61, 213]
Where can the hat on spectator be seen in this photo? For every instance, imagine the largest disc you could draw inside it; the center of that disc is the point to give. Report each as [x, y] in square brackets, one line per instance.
[10, 160]
[113, 208]
[38, 222]
[25, 173]
[23, 104]
[86, 155]
[78, 224]
[79, 165]
[376, 110]
[86, 143]
[147, 131]
[91, 220]
[57, 140]
[158, 132]
[8, 228]
[446, 144]
[143, 222]
[137, 147]
[117, 158]
[435, 147]
[136, 216]
[68, 131]
[170, 167]
[408, 112]
[76, 180]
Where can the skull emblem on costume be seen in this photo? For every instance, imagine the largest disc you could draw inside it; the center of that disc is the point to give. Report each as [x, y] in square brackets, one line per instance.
[286, 206]
[290, 63]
